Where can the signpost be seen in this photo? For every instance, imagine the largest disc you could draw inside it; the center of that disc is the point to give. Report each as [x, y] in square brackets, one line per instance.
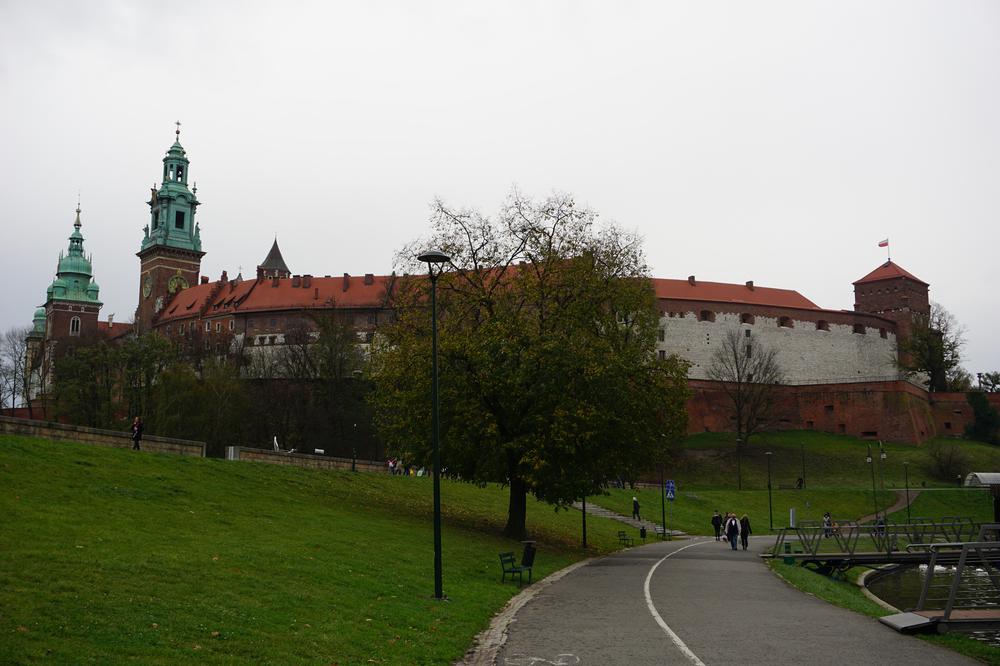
[670, 490]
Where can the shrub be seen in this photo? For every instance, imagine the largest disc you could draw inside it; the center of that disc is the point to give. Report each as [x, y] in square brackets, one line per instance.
[947, 460]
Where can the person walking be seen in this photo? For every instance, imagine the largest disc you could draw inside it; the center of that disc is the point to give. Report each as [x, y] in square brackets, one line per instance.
[717, 524]
[136, 433]
[635, 507]
[745, 530]
[732, 529]
[827, 525]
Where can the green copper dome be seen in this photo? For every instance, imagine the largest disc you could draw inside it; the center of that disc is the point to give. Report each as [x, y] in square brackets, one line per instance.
[74, 273]
[173, 206]
[38, 321]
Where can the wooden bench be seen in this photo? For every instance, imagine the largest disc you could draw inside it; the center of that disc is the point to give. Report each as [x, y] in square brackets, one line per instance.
[624, 539]
[510, 566]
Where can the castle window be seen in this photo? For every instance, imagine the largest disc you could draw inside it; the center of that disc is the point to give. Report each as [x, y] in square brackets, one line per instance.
[250, 323]
[883, 333]
[662, 355]
[822, 325]
[746, 332]
[786, 322]
[74, 326]
[218, 327]
[180, 172]
[232, 324]
[208, 326]
[179, 219]
[859, 329]
[747, 318]
[661, 335]
[706, 315]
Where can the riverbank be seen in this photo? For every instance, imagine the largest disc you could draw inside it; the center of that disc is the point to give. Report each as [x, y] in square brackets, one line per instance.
[847, 593]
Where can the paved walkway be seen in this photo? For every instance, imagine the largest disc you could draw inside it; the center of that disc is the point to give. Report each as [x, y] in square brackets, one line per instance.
[697, 602]
[898, 505]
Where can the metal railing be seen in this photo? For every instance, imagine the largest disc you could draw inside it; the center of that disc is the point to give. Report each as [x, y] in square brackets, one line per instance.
[849, 538]
[973, 583]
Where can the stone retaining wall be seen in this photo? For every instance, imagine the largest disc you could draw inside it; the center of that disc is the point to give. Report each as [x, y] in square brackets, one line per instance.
[301, 459]
[110, 438]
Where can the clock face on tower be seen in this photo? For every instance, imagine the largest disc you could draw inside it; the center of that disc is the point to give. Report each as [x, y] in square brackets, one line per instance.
[147, 287]
[176, 283]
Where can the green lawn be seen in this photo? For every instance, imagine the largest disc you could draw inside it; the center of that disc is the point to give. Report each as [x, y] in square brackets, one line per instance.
[108, 555]
[975, 503]
[708, 461]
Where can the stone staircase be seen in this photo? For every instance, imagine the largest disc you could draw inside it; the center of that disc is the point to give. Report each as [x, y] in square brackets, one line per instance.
[650, 526]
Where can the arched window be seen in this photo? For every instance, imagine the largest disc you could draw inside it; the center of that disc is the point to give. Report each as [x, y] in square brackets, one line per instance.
[74, 326]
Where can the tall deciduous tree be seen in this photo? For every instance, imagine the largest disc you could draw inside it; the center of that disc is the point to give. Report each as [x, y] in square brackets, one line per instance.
[13, 377]
[934, 349]
[749, 373]
[548, 380]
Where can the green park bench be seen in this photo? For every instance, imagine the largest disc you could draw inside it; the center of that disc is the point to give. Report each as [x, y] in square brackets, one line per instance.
[510, 566]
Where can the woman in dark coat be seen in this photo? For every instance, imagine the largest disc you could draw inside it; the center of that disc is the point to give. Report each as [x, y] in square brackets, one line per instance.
[745, 530]
[136, 433]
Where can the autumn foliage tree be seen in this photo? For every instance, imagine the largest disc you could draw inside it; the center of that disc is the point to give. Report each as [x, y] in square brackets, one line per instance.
[548, 379]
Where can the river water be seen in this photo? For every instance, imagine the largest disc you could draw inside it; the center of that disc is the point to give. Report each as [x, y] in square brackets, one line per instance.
[901, 588]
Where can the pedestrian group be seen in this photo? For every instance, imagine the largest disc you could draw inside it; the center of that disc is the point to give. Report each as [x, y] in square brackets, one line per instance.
[731, 529]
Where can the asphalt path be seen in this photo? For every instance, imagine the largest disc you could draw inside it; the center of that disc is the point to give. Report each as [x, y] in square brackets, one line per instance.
[697, 602]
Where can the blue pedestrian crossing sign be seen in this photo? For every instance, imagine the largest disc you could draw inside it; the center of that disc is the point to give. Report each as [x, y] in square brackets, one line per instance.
[670, 488]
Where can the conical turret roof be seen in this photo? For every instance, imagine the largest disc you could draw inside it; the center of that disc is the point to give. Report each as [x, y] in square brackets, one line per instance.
[274, 261]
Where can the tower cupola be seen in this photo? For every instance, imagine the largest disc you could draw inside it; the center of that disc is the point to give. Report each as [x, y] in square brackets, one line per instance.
[74, 273]
[172, 205]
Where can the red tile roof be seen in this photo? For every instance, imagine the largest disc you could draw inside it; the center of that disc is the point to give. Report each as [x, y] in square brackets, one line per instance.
[723, 292]
[888, 271]
[188, 303]
[113, 331]
[322, 292]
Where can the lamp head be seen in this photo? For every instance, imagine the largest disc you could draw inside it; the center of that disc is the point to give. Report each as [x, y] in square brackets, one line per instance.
[433, 257]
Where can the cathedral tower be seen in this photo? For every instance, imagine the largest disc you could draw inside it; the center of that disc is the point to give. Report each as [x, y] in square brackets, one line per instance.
[170, 255]
[71, 301]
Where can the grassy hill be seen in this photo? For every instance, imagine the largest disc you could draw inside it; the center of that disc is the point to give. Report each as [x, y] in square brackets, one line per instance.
[112, 555]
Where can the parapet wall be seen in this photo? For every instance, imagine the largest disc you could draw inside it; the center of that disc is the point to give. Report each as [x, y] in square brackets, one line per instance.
[111, 438]
[842, 348]
[889, 410]
[301, 459]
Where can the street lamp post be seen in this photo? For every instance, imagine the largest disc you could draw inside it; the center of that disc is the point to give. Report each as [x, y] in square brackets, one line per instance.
[770, 511]
[906, 481]
[868, 459]
[432, 257]
[354, 449]
[584, 512]
[739, 464]
[802, 450]
[881, 467]
[663, 503]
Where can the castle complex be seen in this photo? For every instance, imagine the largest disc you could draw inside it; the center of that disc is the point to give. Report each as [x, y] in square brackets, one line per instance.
[840, 366]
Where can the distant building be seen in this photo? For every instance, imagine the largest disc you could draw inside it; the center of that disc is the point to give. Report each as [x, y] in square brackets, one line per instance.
[830, 357]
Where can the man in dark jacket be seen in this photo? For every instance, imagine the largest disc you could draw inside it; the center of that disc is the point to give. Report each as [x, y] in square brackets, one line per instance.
[635, 508]
[732, 529]
[745, 530]
[717, 524]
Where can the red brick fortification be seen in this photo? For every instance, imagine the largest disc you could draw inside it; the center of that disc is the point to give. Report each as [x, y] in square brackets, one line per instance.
[892, 410]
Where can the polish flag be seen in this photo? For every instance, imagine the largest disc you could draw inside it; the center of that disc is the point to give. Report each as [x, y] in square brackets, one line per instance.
[884, 243]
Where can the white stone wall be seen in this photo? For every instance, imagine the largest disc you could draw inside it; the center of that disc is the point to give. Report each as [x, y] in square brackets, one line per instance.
[806, 355]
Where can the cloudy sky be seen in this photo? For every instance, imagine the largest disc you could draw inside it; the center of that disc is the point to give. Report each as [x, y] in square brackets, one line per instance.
[772, 141]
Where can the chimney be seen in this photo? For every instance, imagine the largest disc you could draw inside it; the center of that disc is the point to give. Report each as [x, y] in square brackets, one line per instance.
[347, 281]
[369, 278]
[204, 279]
[307, 281]
[111, 321]
[691, 280]
[750, 285]
[296, 281]
[224, 278]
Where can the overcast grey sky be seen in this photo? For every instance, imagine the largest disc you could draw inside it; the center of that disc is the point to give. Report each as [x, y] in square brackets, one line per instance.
[774, 141]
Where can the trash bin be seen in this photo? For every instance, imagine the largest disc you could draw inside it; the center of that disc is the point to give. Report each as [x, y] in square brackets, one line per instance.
[528, 557]
[642, 532]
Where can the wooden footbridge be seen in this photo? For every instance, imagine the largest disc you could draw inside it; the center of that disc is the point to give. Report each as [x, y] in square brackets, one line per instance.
[960, 563]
